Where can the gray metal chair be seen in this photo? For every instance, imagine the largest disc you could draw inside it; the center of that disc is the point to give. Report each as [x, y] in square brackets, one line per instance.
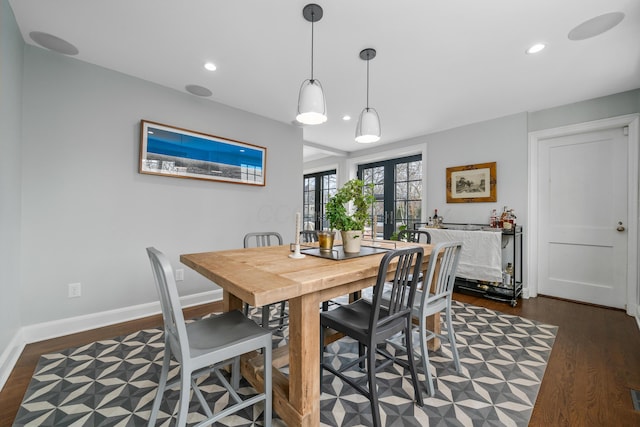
[371, 323]
[415, 236]
[440, 278]
[260, 239]
[205, 346]
[308, 236]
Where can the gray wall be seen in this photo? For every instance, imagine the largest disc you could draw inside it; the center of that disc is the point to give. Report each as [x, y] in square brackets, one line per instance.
[10, 185]
[87, 214]
[503, 140]
[605, 107]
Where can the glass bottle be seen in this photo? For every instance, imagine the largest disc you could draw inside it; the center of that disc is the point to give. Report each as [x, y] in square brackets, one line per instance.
[512, 218]
[494, 219]
[507, 281]
[504, 219]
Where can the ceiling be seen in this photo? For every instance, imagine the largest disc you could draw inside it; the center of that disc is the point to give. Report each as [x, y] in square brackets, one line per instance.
[439, 64]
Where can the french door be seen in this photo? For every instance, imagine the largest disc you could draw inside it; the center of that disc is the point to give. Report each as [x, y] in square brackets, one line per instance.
[318, 188]
[397, 186]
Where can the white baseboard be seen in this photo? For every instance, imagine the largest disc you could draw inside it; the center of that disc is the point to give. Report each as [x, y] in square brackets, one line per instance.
[9, 357]
[57, 328]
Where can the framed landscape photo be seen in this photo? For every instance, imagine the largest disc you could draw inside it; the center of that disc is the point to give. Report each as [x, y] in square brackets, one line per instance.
[472, 183]
[170, 151]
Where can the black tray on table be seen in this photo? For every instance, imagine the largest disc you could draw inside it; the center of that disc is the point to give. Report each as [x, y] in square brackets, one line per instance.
[337, 253]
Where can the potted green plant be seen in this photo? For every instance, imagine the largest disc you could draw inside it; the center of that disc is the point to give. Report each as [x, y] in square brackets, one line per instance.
[349, 211]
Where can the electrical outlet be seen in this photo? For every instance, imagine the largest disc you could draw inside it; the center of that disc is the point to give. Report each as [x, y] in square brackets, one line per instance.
[179, 274]
[75, 290]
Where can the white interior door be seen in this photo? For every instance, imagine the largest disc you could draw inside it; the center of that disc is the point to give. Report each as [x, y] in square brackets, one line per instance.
[582, 208]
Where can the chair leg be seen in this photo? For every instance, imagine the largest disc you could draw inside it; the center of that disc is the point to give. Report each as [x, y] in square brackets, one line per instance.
[412, 365]
[282, 312]
[162, 383]
[425, 357]
[321, 355]
[452, 339]
[373, 390]
[185, 393]
[268, 389]
[235, 373]
[361, 351]
[265, 316]
[245, 309]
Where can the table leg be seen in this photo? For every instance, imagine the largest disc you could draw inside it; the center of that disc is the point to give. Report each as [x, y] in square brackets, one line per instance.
[433, 324]
[304, 358]
[230, 302]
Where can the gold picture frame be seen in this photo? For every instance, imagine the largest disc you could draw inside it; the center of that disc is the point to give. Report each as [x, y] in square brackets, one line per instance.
[472, 183]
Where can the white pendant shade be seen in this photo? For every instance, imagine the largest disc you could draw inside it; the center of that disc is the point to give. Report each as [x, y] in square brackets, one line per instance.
[368, 129]
[312, 108]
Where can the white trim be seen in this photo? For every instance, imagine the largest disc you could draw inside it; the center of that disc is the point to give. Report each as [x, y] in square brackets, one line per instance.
[635, 309]
[353, 162]
[322, 168]
[58, 328]
[630, 120]
[9, 357]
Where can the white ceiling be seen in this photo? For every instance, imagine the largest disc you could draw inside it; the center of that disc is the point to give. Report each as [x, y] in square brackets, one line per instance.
[440, 64]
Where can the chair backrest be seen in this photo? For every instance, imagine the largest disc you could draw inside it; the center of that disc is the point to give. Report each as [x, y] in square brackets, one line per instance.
[174, 326]
[415, 236]
[399, 293]
[262, 238]
[441, 272]
[308, 236]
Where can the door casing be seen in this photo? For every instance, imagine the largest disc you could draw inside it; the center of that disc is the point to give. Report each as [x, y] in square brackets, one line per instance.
[631, 121]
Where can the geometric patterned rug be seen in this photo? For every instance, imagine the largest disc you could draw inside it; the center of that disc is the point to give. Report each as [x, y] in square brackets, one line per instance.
[113, 382]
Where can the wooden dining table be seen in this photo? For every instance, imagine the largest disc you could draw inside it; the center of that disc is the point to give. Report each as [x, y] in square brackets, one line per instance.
[267, 275]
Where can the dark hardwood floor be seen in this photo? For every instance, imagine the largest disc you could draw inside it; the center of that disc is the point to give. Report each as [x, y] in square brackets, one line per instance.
[594, 364]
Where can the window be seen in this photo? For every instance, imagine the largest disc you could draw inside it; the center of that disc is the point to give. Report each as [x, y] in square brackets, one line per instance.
[398, 191]
[318, 188]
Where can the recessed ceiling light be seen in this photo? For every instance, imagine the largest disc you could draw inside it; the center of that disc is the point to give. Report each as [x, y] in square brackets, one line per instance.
[346, 117]
[210, 66]
[536, 48]
[596, 26]
[198, 90]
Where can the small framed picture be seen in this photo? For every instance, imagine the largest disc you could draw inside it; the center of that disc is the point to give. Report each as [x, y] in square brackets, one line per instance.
[472, 183]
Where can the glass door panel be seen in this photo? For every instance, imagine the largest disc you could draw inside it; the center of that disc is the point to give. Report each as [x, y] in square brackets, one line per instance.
[317, 189]
[398, 191]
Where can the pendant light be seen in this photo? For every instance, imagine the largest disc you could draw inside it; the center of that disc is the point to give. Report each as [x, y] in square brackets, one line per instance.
[368, 129]
[312, 108]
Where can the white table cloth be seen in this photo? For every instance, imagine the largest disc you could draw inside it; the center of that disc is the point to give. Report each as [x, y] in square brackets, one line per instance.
[481, 256]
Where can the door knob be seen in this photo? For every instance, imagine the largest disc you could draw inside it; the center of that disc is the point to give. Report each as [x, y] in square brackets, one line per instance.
[620, 226]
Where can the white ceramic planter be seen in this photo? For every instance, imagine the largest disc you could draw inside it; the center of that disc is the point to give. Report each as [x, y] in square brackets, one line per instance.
[351, 241]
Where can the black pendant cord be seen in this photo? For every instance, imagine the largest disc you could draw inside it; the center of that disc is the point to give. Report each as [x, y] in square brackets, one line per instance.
[312, 21]
[367, 84]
